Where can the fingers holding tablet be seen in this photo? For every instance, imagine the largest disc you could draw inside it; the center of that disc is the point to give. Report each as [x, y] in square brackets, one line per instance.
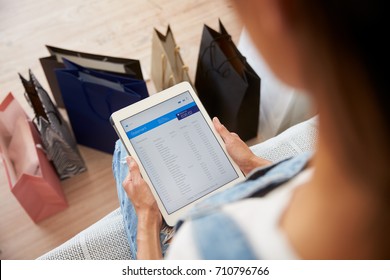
[238, 150]
[138, 190]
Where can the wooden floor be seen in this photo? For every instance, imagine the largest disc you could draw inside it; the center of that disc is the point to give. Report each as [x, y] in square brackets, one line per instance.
[115, 28]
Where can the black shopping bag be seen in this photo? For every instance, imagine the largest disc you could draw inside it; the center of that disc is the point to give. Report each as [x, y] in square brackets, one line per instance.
[226, 84]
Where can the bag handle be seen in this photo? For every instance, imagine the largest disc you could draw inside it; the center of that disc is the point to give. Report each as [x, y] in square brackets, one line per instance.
[225, 73]
[217, 68]
[36, 118]
[213, 42]
[184, 68]
[164, 67]
[33, 90]
[32, 97]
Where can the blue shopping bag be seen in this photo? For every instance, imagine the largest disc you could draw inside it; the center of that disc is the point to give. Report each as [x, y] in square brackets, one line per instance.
[91, 96]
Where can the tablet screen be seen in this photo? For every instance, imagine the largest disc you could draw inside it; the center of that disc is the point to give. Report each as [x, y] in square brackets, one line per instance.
[179, 151]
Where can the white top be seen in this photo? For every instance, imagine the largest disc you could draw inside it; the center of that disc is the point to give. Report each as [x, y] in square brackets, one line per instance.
[263, 233]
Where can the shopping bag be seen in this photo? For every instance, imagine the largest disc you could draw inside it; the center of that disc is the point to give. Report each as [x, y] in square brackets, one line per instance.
[125, 66]
[31, 177]
[58, 141]
[281, 106]
[168, 67]
[90, 97]
[226, 84]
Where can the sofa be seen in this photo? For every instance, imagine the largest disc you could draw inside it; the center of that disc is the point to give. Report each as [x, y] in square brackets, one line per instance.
[106, 239]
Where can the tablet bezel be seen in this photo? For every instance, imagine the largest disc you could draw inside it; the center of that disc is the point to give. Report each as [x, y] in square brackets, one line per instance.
[129, 111]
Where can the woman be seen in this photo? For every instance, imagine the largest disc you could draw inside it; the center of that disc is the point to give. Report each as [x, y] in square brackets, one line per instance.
[333, 206]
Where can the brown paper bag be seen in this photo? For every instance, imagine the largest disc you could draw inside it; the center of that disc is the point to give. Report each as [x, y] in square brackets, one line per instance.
[168, 67]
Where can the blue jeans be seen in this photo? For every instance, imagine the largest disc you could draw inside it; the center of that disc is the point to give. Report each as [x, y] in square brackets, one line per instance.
[120, 170]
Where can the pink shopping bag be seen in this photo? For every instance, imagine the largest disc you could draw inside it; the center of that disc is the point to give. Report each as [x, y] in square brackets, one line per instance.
[31, 177]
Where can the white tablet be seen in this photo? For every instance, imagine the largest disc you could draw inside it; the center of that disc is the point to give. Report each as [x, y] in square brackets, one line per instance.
[180, 155]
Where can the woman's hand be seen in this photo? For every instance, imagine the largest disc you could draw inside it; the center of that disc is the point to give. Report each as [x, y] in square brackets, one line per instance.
[148, 214]
[238, 150]
[139, 192]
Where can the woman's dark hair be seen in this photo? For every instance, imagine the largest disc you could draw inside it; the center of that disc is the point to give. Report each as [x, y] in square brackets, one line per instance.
[350, 42]
[347, 39]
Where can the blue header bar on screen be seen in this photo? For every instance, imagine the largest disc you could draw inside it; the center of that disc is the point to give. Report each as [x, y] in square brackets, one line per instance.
[179, 114]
